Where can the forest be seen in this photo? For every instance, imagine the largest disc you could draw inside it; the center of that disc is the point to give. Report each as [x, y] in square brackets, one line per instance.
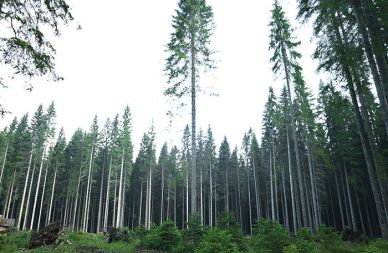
[319, 165]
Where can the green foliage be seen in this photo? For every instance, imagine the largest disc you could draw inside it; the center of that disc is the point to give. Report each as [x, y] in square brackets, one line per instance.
[227, 221]
[217, 241]
[12, 241]
[377, 246]
[327, 235]
[194, 233]
[270, 237]
[164, 237]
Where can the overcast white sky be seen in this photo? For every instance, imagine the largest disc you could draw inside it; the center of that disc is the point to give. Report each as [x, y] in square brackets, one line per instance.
[118, 59]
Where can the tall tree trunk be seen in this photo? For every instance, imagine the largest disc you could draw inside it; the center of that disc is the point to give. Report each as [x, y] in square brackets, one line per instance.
[53, 189]
[239, 199]
[193, 128]
[101, 193]
[271, 182]
[119, 205]
[42, 198]
[285, 205]
[249, 202]
[256, 188]
[340, 203]
[313, 193]
[24, 190]
[211, 196]
[353, 217]
[294, 223]
[106, 214]
[296, 148]
[141, 202]
[3, 165]
[162, 197]
[7, 214]
[87, 197]
[37, 190]
[227, 190]
[76, 195]
[29, 197]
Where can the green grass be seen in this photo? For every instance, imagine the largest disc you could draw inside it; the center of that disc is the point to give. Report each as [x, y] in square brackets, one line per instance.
[71, 242]
[74, 242]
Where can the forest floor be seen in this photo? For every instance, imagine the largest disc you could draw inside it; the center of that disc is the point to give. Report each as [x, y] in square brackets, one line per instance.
[66, 243]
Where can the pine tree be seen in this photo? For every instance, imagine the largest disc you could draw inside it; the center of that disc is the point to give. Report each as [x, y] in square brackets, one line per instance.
[285, 58]
[189, 51]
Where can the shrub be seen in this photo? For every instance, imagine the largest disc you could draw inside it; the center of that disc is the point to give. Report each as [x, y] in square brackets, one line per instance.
[270, 237]
[194, 231]
[217, 241]
[327, 235]
[165, 237]
[227, 221]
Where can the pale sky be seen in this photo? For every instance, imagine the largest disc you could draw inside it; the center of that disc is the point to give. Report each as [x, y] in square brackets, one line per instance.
[118, 59]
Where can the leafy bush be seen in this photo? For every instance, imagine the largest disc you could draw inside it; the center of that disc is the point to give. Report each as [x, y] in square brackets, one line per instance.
[227, 221]
[217, 241]
[327, 235]
[194, 231]
[165, 237]
[270, 237]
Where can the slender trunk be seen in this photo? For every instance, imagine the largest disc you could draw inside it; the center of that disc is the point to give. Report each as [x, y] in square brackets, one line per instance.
[3, 165]
[107, 194]
[87, 197]
[313, 194]
[271, 182]
[24, 190]
[291, 185]
[37, 190]
[256, 188]
[168, 203]
[360, 213]
[296, 148]
[187, 198]
[201, 198]
[211, 196]
[141, 202]
[100, 200]
[226, 190]
[249, 202]
[239, 198]
[162, 197]
[340, 202]
[29, 198]
[114, 202]
[353, 217]
[119, 205]
[275, 180]
[53, 189]
[42, 198]
[285, 206]
[76, 195]
[193, 126]
[7, 215]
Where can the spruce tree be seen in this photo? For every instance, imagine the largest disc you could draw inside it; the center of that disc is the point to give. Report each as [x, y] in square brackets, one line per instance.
[189, 52]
